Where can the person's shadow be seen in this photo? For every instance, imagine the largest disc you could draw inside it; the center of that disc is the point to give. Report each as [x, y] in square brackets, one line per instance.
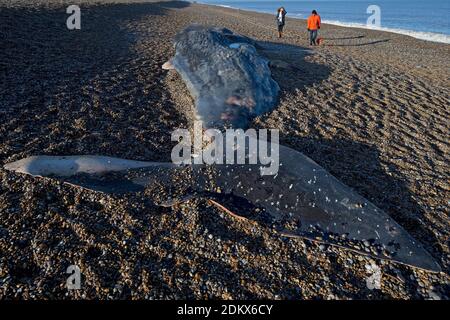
[345, 38]
[356, 44]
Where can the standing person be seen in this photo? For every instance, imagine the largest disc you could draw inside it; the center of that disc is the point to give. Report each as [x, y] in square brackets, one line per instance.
[281, 20]
[313, 27]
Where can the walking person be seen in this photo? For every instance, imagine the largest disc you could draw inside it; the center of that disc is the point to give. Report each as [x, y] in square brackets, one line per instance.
[313, 24]
[281, 20]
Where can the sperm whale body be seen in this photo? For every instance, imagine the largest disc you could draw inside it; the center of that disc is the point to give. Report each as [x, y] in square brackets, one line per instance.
[302, 195]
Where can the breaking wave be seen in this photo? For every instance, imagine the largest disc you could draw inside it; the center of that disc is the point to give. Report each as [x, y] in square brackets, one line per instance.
[428, 36]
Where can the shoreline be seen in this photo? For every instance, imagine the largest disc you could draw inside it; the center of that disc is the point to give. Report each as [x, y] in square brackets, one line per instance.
[419, 35]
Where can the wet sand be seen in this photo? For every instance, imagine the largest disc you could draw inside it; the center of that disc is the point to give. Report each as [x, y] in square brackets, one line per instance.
[371, 107]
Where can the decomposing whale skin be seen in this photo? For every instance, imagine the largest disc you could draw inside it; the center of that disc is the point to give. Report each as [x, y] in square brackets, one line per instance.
[230, 82]
[72, 165]
[304, 195]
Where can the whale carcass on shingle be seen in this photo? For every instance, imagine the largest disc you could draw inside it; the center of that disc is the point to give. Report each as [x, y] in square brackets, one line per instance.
[302, 200]
[230, 82]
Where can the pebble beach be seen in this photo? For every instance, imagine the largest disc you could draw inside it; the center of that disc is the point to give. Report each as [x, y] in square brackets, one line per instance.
[371, 107]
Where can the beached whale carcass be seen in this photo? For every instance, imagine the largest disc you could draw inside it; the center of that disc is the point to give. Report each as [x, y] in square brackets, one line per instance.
[302, 200]
[229, 80]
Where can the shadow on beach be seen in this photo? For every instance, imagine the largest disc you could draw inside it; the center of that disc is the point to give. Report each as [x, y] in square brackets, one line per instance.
[358, 165]
[72, 90]
[345, 38]
[357, 44]
[289, 67]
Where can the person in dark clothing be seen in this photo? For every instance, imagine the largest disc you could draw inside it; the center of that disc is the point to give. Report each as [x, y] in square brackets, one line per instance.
[281, 20]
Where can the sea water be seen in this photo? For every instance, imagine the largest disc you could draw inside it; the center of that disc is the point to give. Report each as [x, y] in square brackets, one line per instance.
[426, 20]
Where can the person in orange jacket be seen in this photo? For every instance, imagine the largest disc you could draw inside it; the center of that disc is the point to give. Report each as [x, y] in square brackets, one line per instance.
[313, 24]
